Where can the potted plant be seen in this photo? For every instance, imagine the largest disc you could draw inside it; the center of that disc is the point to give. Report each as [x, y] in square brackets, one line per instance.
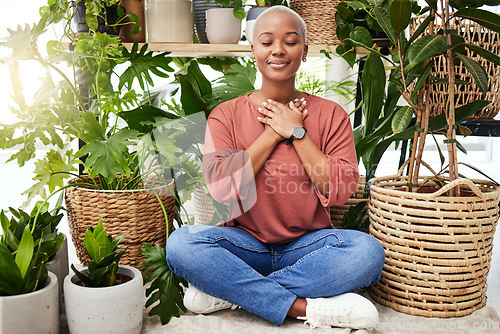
[88, 109]
[433, 268]
[169, 21]
[25, 283]
[105, 296]
[101, 16]
[224, 24]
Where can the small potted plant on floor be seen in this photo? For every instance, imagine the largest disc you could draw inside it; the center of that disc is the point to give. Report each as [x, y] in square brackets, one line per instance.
[25, 283]
[104, 297]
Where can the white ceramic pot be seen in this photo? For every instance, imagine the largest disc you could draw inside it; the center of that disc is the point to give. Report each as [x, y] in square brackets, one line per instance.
[169, 21]
[59, 266]
[252, 15]
[116, 309]
[222, 26]
[34, 312]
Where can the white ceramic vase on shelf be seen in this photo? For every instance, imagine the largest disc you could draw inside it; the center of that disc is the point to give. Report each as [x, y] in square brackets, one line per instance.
[169, 21]
[222, 26]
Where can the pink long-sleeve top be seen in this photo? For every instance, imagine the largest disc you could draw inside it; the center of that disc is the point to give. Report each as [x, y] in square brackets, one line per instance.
[281, 203]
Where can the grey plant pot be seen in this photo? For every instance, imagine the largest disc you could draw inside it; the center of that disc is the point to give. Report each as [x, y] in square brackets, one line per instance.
[252, 15]
[200, 18]
[34, 312]
[59, 266]
[116, 309]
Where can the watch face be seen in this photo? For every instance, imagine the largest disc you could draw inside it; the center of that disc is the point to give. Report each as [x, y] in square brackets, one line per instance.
[299, 132]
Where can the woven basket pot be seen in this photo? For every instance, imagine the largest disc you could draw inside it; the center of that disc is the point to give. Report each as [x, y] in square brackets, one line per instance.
[438, 248]
[136, 211]
[337, 211]
[319, 16]
[478, 35]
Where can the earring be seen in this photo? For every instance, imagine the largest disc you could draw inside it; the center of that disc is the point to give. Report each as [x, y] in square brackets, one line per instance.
[304, 59]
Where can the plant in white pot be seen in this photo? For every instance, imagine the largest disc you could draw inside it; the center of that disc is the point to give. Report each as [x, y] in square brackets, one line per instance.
[224, 24]
[104, 297]
[25, 283]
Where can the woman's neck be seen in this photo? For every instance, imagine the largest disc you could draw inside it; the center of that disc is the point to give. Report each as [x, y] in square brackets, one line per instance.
[281, 92]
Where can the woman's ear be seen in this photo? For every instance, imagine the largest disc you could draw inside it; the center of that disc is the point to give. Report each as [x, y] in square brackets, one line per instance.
[253, 53]
[304, 55]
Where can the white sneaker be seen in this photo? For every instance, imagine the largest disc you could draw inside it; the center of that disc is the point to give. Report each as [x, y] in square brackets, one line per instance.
[199, 302]
[346, 310]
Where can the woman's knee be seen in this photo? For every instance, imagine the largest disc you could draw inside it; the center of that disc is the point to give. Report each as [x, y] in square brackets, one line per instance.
[370, 255]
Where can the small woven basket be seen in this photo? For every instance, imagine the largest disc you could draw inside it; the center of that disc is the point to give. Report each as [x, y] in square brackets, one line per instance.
[438, 248]
[319, 16]
[136, 211]
[337, 211]
[478, 35]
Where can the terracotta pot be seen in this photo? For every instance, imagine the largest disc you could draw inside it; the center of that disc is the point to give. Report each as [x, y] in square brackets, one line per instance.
[136, 7]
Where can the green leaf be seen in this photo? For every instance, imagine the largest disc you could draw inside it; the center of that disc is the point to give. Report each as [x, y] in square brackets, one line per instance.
[486, 54]
[237, 81]
[194, 85]
[384, 21]
[420, 29]
[362, 35]
[165, 288]
[402, 119]
[477, 71]
[373, 89]
[400, 13]
[465, 131]
[239, 13]
[441, 155]
[426, 47]
[143, 63]
[485, 18]
[355, 218]
[142, 118]
[25, 252]
[108, 157]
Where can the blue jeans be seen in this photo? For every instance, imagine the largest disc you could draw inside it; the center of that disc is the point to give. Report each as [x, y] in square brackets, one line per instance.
[231, 264]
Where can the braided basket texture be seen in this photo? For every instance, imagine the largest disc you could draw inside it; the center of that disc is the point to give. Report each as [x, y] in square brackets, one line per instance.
[136, 211]
[319, 16]
[337, 211]
[438, 248]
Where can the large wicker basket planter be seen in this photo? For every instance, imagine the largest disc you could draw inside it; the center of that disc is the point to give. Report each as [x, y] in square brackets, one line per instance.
[337, 212]
[136, 211]
[438, 248]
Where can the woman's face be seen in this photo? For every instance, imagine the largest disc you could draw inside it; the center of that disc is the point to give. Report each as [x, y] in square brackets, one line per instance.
[279, 47]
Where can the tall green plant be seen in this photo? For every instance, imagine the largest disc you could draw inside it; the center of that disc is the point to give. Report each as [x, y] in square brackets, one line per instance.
[411, 61]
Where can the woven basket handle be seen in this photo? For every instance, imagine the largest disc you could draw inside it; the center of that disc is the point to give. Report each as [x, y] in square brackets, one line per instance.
[459, 182]
[401, 169]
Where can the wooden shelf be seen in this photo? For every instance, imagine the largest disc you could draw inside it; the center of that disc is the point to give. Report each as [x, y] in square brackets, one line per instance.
[212, 50]
[216, 50]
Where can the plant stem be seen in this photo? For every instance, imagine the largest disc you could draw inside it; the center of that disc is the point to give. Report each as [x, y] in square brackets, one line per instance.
[450, 117]
[423, 99]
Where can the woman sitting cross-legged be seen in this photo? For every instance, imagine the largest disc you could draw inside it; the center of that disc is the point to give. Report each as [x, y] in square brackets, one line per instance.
[281, 157]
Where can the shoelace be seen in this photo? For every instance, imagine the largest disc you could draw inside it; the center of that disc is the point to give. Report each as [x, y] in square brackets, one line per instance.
[219, 304]
[326, 318]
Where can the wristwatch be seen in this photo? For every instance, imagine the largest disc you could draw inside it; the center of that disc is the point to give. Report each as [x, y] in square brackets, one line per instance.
[298, 132]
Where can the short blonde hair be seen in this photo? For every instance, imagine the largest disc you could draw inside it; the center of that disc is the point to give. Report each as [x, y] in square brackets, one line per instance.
[283, 10]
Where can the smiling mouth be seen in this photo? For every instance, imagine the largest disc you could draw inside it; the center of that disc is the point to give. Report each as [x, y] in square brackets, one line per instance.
[278, 64]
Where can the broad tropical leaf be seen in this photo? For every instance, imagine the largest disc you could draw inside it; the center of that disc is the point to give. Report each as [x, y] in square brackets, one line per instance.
[384, 21]
[166, 287]
[373, 90]
[483, 17]
[486, 54]
[400, 13]
[426, 47]
[402, 119]
[477, 71]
